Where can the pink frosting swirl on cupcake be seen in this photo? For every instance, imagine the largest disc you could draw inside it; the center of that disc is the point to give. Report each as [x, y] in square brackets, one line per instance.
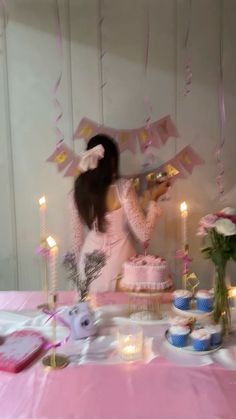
[179, 330]
[204, 294]
[200, 334]
[182, 294]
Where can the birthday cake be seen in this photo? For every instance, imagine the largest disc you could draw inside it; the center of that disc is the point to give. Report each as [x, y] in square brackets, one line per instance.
[146, 273]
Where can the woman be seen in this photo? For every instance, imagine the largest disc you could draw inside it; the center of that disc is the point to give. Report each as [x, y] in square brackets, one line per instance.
[109, 207]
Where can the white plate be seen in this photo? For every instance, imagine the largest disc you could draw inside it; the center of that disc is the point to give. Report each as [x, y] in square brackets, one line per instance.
[191, 313]
[189, 349]
[184, 359]
[135, 317]
[226, 357]
[119, 313]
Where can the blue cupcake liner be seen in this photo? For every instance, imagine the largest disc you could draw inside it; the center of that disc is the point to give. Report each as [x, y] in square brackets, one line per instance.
[215, 338]
[178, 340]
[204, 304]
[201, 344]
[182, 302]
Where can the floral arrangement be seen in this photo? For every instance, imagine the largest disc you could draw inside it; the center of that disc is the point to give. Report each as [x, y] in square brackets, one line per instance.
[219, 233]
[93, 264]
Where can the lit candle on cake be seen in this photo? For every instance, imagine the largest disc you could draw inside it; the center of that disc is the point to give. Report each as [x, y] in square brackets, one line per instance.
[53, 251]
[184, 216]
[42, 211]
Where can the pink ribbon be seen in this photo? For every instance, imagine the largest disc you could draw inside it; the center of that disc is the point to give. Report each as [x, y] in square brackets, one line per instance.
[180, 254]
[54, 314]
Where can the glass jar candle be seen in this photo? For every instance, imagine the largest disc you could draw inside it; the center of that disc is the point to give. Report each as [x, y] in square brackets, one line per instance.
[130, 342]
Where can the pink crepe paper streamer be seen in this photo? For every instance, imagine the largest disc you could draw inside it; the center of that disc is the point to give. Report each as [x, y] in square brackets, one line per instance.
[219, 177]
[147, 40]
[60, 320]
[57, 104]
[180, 254]
[188, 65]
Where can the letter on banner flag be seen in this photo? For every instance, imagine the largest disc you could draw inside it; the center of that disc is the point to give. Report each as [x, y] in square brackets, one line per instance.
[126, 140]
[166, 129]
[62, 156]
[173, 169]
[188, 159]
[86, 129]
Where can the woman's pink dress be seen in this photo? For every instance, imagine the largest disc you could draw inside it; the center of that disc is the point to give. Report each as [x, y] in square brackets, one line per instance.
[117, 241]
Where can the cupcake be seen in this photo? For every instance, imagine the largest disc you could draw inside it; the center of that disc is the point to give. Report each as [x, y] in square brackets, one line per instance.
[182, 299]
[178, 335]
[215, 332]
[204, 299]
[201, 339]
[181, 321]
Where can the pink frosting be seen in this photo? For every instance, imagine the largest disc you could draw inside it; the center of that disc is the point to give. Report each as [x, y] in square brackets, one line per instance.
[182, 293]
[179, 321]
[200, 334]
[204, 294]
[146, 272]
[179, 330]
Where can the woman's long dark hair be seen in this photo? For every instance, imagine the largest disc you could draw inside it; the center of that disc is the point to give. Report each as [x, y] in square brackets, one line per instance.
[91, 187]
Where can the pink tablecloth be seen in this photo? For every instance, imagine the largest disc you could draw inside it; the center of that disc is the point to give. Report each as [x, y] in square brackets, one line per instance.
[158, 390]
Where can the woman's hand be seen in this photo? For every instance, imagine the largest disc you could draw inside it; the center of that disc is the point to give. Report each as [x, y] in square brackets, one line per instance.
[159, 190]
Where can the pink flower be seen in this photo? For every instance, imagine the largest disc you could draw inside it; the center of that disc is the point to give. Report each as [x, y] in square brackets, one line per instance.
[201, 231]
[208, 221]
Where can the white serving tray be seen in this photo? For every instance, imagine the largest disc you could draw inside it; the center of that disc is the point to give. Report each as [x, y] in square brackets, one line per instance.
[192, 313]
[189, 349]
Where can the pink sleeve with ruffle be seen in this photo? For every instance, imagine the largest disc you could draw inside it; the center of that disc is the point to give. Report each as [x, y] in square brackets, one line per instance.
[77, 229]
[142, 225]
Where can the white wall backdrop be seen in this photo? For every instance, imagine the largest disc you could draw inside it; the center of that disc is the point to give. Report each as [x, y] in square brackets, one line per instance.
[29, 65]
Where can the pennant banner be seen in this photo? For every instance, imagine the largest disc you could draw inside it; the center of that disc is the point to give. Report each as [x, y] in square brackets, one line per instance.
[155, 133]
[180, 166]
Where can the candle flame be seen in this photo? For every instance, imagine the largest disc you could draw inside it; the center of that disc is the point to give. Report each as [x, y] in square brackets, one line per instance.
[232, 292]
[51, 242]
[42, 201]
[183, 207]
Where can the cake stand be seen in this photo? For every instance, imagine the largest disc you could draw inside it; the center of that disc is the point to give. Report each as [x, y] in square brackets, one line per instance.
[145, 306]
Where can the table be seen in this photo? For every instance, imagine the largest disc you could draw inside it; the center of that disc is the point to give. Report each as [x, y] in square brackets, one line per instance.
[159, 390]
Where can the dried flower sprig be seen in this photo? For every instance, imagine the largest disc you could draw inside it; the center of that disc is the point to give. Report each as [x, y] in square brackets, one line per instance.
[93, 264]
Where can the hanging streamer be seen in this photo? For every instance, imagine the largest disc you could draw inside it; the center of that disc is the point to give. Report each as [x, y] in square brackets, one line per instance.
[148, 140]
[101, 56]
[220, 165]
[188, 65]
[57, 104]
[4, 20]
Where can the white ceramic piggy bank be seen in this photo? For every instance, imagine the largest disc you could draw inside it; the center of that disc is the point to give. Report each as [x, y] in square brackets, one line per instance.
[81, 321]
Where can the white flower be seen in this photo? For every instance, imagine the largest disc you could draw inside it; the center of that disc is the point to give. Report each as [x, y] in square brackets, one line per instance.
[225, 226]
[229, 211]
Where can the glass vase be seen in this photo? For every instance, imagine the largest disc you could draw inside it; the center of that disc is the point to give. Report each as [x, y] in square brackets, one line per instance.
[221, 311]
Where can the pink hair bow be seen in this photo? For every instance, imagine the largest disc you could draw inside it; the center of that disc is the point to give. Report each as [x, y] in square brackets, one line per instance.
[89, 159]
